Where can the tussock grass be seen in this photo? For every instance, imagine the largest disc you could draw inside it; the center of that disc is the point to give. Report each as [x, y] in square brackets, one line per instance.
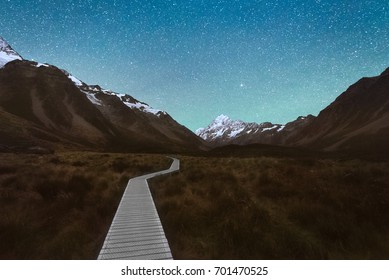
[276, 208]
[60, 206]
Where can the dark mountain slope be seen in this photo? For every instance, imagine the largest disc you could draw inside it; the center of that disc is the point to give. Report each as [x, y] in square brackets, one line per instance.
[357, 121]
[41, 104]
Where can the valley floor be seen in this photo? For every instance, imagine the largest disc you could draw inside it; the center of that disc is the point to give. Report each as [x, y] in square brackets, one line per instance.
[60, 206]
[276, 208]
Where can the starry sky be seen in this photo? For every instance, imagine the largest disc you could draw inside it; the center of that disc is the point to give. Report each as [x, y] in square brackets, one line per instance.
[253, 60]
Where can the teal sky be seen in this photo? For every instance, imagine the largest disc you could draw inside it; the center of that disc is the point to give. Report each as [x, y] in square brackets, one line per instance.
[251, 60]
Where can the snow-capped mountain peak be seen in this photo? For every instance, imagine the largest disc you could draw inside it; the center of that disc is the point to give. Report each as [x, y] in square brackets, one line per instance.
[222, 119]
[7, 54]
[221, 127]
[224, 131]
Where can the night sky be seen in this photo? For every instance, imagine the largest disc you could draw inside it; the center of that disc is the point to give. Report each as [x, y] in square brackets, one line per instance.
[196, 59]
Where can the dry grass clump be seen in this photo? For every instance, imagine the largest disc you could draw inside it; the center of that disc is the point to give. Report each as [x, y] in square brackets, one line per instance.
[267, 208]
[61, 206]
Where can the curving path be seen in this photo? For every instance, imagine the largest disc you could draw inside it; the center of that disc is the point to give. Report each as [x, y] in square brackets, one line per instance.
[136, 231]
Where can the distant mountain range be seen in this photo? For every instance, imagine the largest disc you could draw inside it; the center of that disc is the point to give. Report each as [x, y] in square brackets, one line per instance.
[46, 107]
[357, 121]
[224, 131]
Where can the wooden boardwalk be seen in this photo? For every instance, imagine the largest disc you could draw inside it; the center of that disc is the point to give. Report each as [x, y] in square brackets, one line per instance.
[136, 231]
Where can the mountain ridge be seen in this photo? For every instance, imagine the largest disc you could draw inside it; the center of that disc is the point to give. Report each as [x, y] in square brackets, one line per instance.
[50, 107]
[358, 119]
[224, 131]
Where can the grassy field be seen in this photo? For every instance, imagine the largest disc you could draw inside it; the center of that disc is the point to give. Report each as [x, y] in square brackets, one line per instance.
[275, 208]
[60, 206]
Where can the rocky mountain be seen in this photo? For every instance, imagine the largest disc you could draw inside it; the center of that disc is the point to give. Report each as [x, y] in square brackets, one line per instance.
[44, 106]
[224, 131]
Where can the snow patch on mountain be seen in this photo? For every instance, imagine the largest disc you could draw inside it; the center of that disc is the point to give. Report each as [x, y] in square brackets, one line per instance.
[270, 128]
[235, 132]
[75, 81]
[7, 54]
[92, 98]
[41, 65]
[91, 92]
[143, 107]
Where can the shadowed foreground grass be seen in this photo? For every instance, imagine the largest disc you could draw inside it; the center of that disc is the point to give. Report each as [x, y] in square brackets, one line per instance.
[267, 208]
[61, 206]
